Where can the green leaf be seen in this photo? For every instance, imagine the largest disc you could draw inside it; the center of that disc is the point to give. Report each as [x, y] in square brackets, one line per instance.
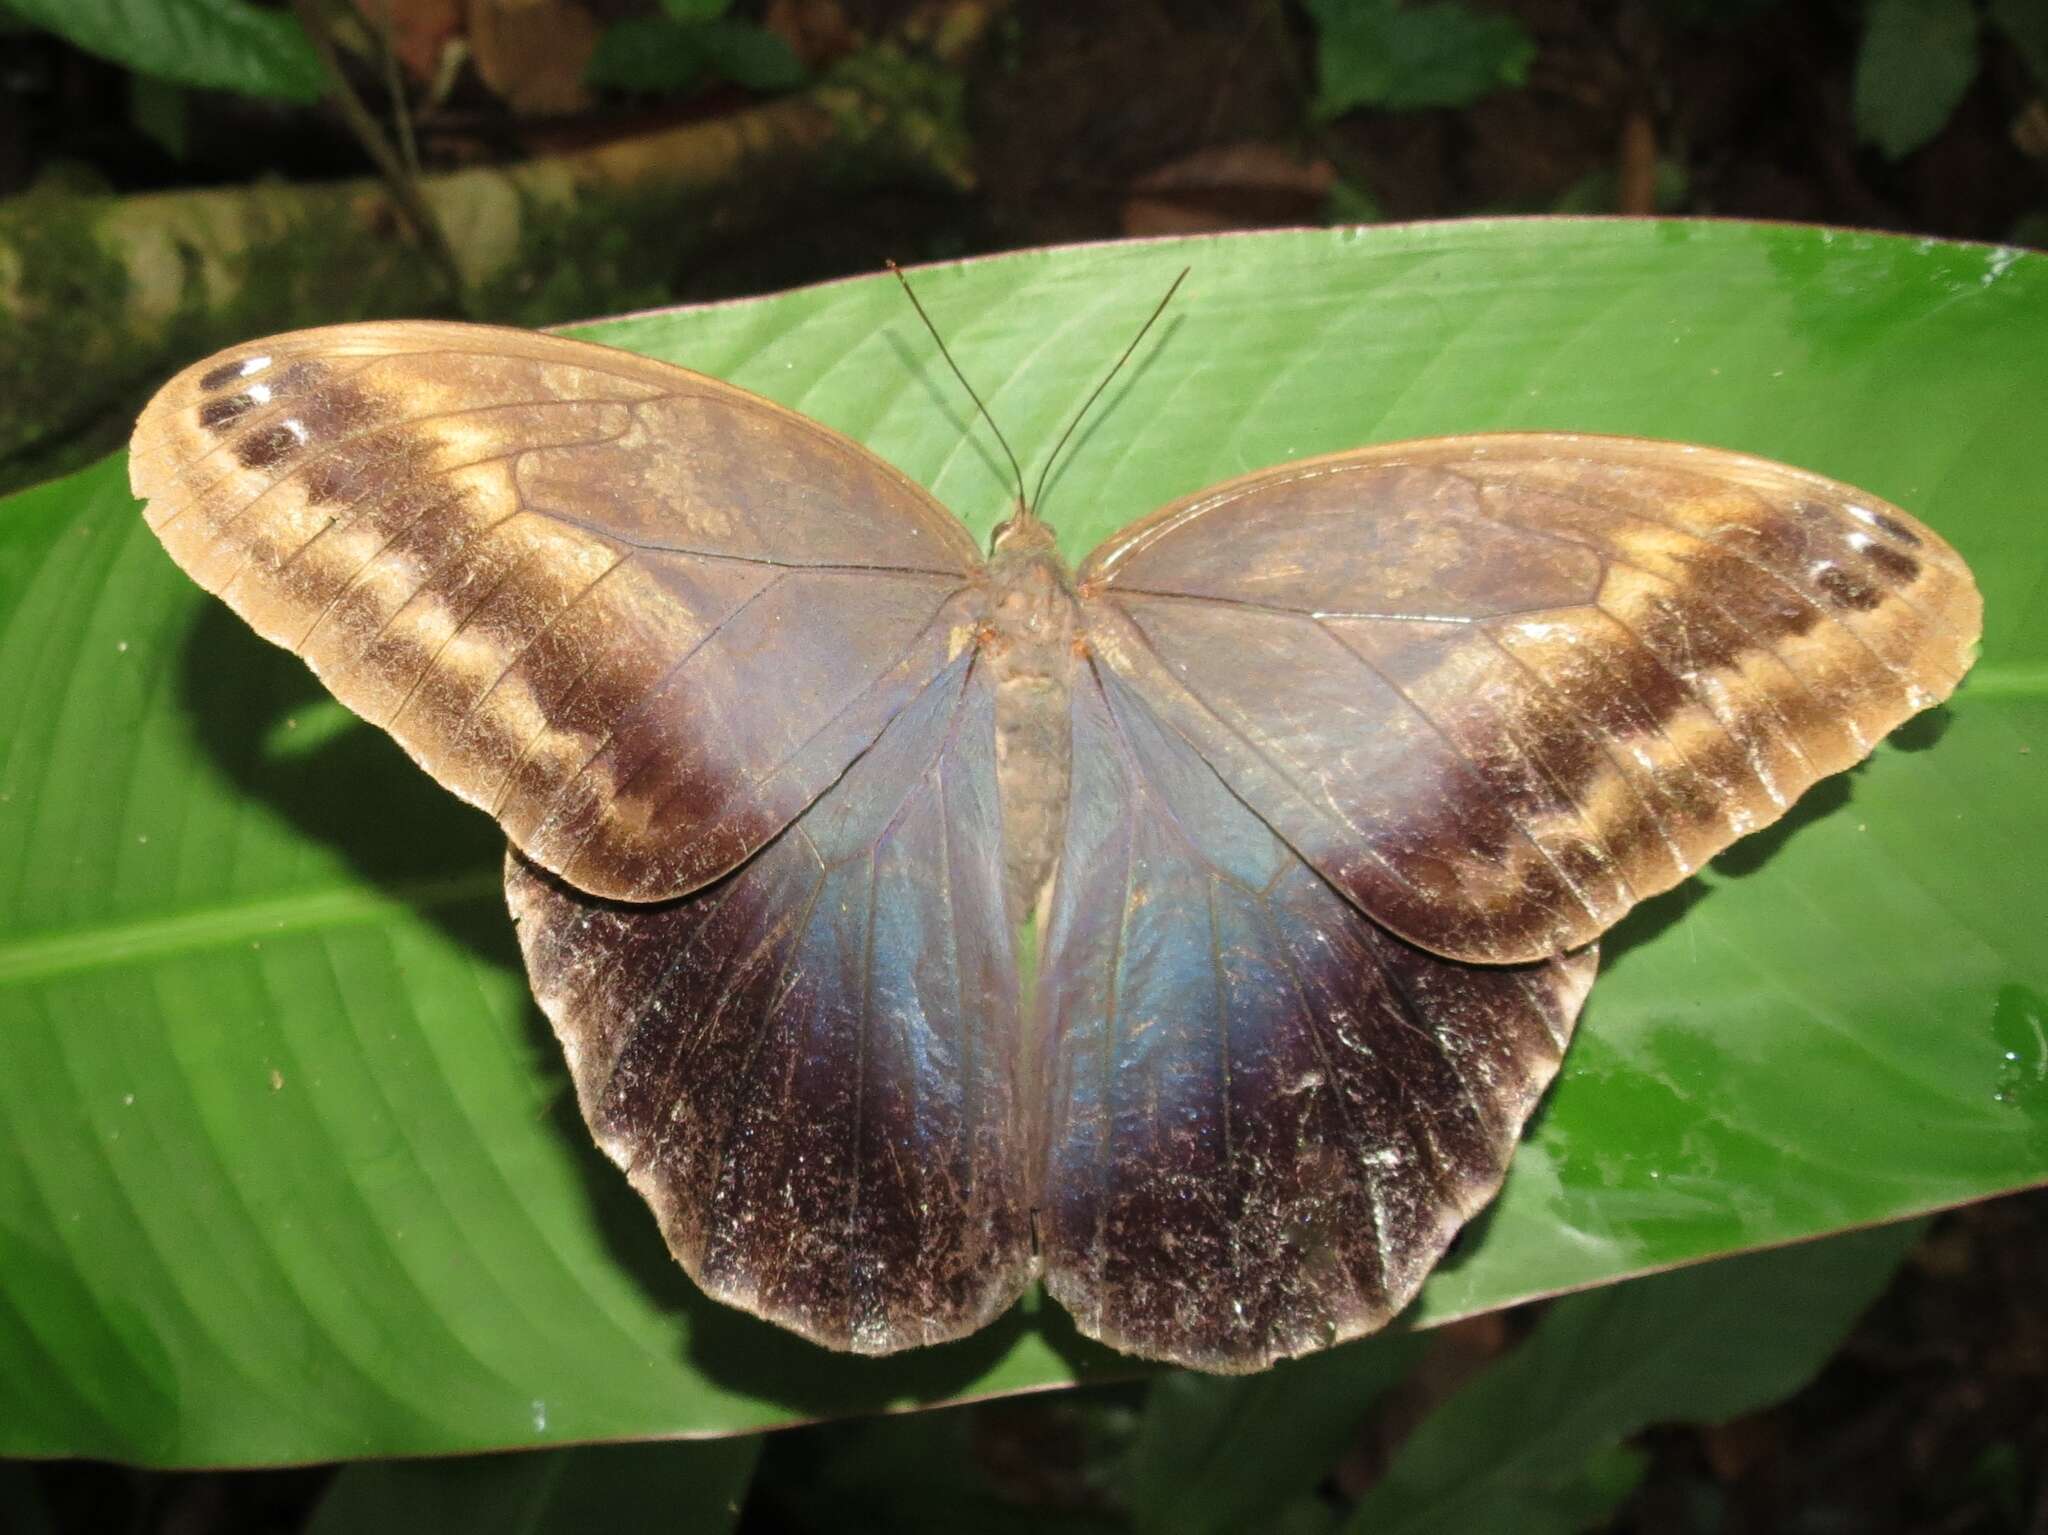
[647, 53]
[275, 1106]
[1600, 191]
[161, 112]
[1533, 1446]
[1382, 53]
[694, 1487]
[655, 54]
[1220, 1454]
[1350, 203]
[227, 45]
[751, 56]
[1917, 61]
[695, 11]
[2025, 25]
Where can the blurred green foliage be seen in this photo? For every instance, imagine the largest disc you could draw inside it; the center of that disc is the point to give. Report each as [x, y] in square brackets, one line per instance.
[692, 43]
[1214, 1455]
[1382, 53]
[224, 44]
[1535, 1445]
[1917, 61]
[697, 1487]
[2024, 24]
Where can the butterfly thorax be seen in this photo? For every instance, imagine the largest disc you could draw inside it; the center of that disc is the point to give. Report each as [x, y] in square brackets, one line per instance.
[1029, 643]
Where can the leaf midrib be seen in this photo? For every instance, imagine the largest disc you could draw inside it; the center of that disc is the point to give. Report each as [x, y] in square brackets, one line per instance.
[39, 956]
[51, 952]
[2009, 679]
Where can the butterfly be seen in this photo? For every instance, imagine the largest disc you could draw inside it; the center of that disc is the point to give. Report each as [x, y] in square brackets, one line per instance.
[1320, 786]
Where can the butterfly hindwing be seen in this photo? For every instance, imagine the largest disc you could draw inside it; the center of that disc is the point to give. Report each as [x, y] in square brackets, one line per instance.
[1266, 1115]
[1498, 689]
[639, 615]
[808, 1069]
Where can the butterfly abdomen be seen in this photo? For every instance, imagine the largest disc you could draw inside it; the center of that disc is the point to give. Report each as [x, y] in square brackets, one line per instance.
[1029, 645]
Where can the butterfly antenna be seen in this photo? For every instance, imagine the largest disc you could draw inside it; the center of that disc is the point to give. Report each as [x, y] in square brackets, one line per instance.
[1079, 415]
[941, 340]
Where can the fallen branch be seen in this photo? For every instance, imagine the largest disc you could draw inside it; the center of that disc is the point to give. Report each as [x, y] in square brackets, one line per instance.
[101, 296]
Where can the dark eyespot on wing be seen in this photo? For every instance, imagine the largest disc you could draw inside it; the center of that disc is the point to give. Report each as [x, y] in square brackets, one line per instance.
[1846, 589]
[641, 616]
[1266, 1114]
[270, 446]
[291, 391]
[234, 370]
[808, 1068]
[1591, 665]
[1897, 567]
[1891, 527]
[215, 414]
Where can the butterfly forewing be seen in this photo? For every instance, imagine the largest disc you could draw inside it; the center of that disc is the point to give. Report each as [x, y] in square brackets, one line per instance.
[809, 1068]
[639, 615]
[1266, 1115]
[1499, 689]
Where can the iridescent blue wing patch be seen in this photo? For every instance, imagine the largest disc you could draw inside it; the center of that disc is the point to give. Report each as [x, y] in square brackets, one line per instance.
[808, 1068]
[1267, 1115]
